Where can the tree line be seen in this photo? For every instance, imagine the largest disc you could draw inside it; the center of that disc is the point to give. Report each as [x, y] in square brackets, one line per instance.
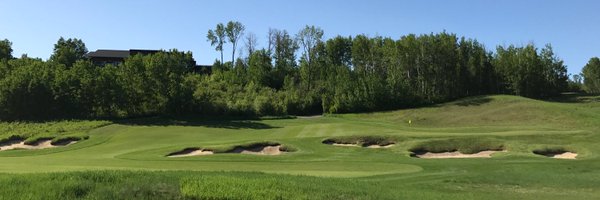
[297, 74]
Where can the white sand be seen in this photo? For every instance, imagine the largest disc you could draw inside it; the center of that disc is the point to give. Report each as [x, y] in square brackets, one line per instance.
[266, 150]
[345, 145]
[565, 155]
[199, 152]
[457, 154]
[374, 146]
[43, 144]
[262, 150]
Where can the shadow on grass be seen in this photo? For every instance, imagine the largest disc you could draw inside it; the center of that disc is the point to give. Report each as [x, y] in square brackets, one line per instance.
[211, 123]
[473, 101]
[573, 97]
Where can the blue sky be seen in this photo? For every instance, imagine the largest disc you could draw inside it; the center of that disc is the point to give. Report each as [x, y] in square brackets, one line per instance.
[572, 27]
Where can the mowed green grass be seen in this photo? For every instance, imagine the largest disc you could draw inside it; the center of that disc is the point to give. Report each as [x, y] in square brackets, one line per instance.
[128, 159]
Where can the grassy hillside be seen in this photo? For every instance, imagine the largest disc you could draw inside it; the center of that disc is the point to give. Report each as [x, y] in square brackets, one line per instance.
[497, 110]
[128, 159]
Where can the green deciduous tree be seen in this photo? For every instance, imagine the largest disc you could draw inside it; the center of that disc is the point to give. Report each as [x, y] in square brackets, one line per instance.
[234, 32]
[67, 52]
[284, 55]
[527, 72]
[217, 38]
[5, 49]
[337, 75]
[308, 38]
[26, 92]
[591, 75]
[259, 68]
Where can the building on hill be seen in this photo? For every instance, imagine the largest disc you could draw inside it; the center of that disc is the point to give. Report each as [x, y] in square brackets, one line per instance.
[103, 57]
[115, 57]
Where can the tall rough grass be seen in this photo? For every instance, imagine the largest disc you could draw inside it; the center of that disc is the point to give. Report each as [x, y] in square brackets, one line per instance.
[184, 185]
[362, 140]
[463, 145]
[57, 130]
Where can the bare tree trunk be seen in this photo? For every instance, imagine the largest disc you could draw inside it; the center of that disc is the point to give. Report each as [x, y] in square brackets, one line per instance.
[221, 56]
[233, 54]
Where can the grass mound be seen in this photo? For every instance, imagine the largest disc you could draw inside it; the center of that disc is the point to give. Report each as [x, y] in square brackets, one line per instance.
[363, 141]
[462, 145]
[491, 110]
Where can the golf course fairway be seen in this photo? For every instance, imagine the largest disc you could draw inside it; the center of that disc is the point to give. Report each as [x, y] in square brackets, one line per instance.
[128, 159]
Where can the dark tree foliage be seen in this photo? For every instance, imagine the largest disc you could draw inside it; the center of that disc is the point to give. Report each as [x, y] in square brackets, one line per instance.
[217, 38]
[338, 75]
[67, 52]
[5, 49]
[591, 76]
[527, 72]
[259, 68]
[284, 57]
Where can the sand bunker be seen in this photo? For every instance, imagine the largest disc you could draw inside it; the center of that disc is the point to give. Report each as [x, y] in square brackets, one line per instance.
[259, 150]
[374, 146]
[190, 152]
[455, 154]
[558, 155]
[253, 149]
[40, 144]
[344, 145]
[566, 155]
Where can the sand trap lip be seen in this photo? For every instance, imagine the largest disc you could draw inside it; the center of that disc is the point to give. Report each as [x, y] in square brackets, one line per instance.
[40, 144]
[256, 150]
[456, 154]
[560, 155]
[190, 152]
[373, 146]
[376, 146]
[259, 150]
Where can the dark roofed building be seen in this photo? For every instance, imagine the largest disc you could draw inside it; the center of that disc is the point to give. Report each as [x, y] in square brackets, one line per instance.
[115, 57]
[103, 57]
[202, 69]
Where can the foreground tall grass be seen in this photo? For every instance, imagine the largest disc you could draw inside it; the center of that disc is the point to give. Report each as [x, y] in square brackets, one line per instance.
[184, 185]
[518, 181]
